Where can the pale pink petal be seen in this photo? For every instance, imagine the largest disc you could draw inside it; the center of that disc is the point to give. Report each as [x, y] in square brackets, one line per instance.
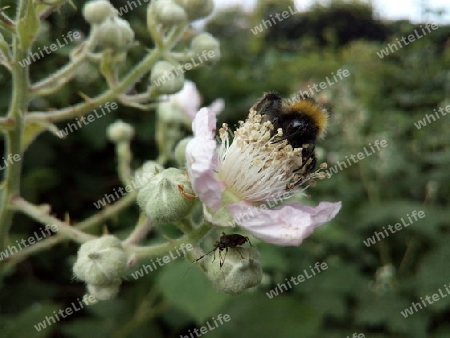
[286, 225]
[188, 99]
[201, 159]
[204, 125]
[217, 106]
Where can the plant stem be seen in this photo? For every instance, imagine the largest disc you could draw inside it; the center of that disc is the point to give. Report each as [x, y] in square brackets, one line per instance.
[192, 238]
[6, 22]
[71, 112]
[140, 231]
[108, 211]
[43, 217]
[13, 139]
[124, 171]
[87, 223]
[59, 78]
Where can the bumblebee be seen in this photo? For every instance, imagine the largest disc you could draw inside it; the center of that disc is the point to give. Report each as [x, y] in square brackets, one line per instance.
[302, 120]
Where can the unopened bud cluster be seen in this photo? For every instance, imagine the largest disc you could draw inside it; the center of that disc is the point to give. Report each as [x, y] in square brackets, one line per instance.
[101, 263]
[167, 196]
[165, 80]
[166, 12]
[206, 42]
[241, 270]
[120, 131]
[111, 31]
[168, 77]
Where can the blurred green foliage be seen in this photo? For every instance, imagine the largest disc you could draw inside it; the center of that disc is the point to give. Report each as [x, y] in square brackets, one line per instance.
[364, 288]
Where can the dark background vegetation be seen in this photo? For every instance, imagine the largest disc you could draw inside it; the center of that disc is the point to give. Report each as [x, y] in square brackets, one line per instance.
[364, 288]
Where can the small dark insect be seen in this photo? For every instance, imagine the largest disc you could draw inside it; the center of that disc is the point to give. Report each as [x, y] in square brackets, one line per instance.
[227, 241]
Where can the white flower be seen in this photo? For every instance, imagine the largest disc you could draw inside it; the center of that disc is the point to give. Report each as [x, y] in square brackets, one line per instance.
[184, 105]
[238, 176]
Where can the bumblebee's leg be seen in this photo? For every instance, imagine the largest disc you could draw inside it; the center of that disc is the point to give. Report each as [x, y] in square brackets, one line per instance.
[308, 164]
[308, 159]
[312, 162]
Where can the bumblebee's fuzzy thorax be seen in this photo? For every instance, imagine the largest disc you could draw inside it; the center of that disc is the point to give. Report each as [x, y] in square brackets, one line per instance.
[303, 105]
[301, 120]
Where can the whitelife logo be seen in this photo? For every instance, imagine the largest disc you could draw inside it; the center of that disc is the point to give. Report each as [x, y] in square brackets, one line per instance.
[319, 267]
[85, 120]
[380, 235]
[10, 160]
[253, 211]
[361, 155]
[432, 118]
[129, 6]
[203, 330]
[274, 19]
[53, 48]
[411, 38]
[340, 75]
[181, 69]
[25, 243]
[109, 198]
[417, 306]
[87, 300]
[165, 259]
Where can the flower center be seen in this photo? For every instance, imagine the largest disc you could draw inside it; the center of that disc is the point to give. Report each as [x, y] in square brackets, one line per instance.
[255, 166]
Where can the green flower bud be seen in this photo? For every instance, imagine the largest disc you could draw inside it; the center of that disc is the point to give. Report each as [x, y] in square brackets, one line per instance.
[115, 33]
[101, 261]
[236, 274]
[146, 172]
[120, 132]
[180, 151]
[206, 42]
[169, 113]
[166, 12]
[166, 78]
[167, 197]
[104, 291]
[86, 72]
[196, 9]
[97, 11]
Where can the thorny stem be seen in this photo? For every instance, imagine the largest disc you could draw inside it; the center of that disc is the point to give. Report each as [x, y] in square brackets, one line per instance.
[191, 238]
[13, 137]
[80, 109]
[13, 143]
[47, 243]
[140, 231]
[42, 216]
[7, 23]
[59, 78]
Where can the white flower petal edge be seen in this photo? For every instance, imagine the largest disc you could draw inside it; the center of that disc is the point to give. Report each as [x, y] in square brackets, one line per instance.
[188, 99]
[286, 225]
[217, 106]
[201, 160]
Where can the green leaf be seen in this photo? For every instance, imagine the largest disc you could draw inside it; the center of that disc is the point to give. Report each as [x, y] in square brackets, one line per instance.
[255, 315]
[433, 274]
[4, 46]
[28, 26]
[385, 309]
[192, 293]
[106, 65]
[33, 129]
[25, 324]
